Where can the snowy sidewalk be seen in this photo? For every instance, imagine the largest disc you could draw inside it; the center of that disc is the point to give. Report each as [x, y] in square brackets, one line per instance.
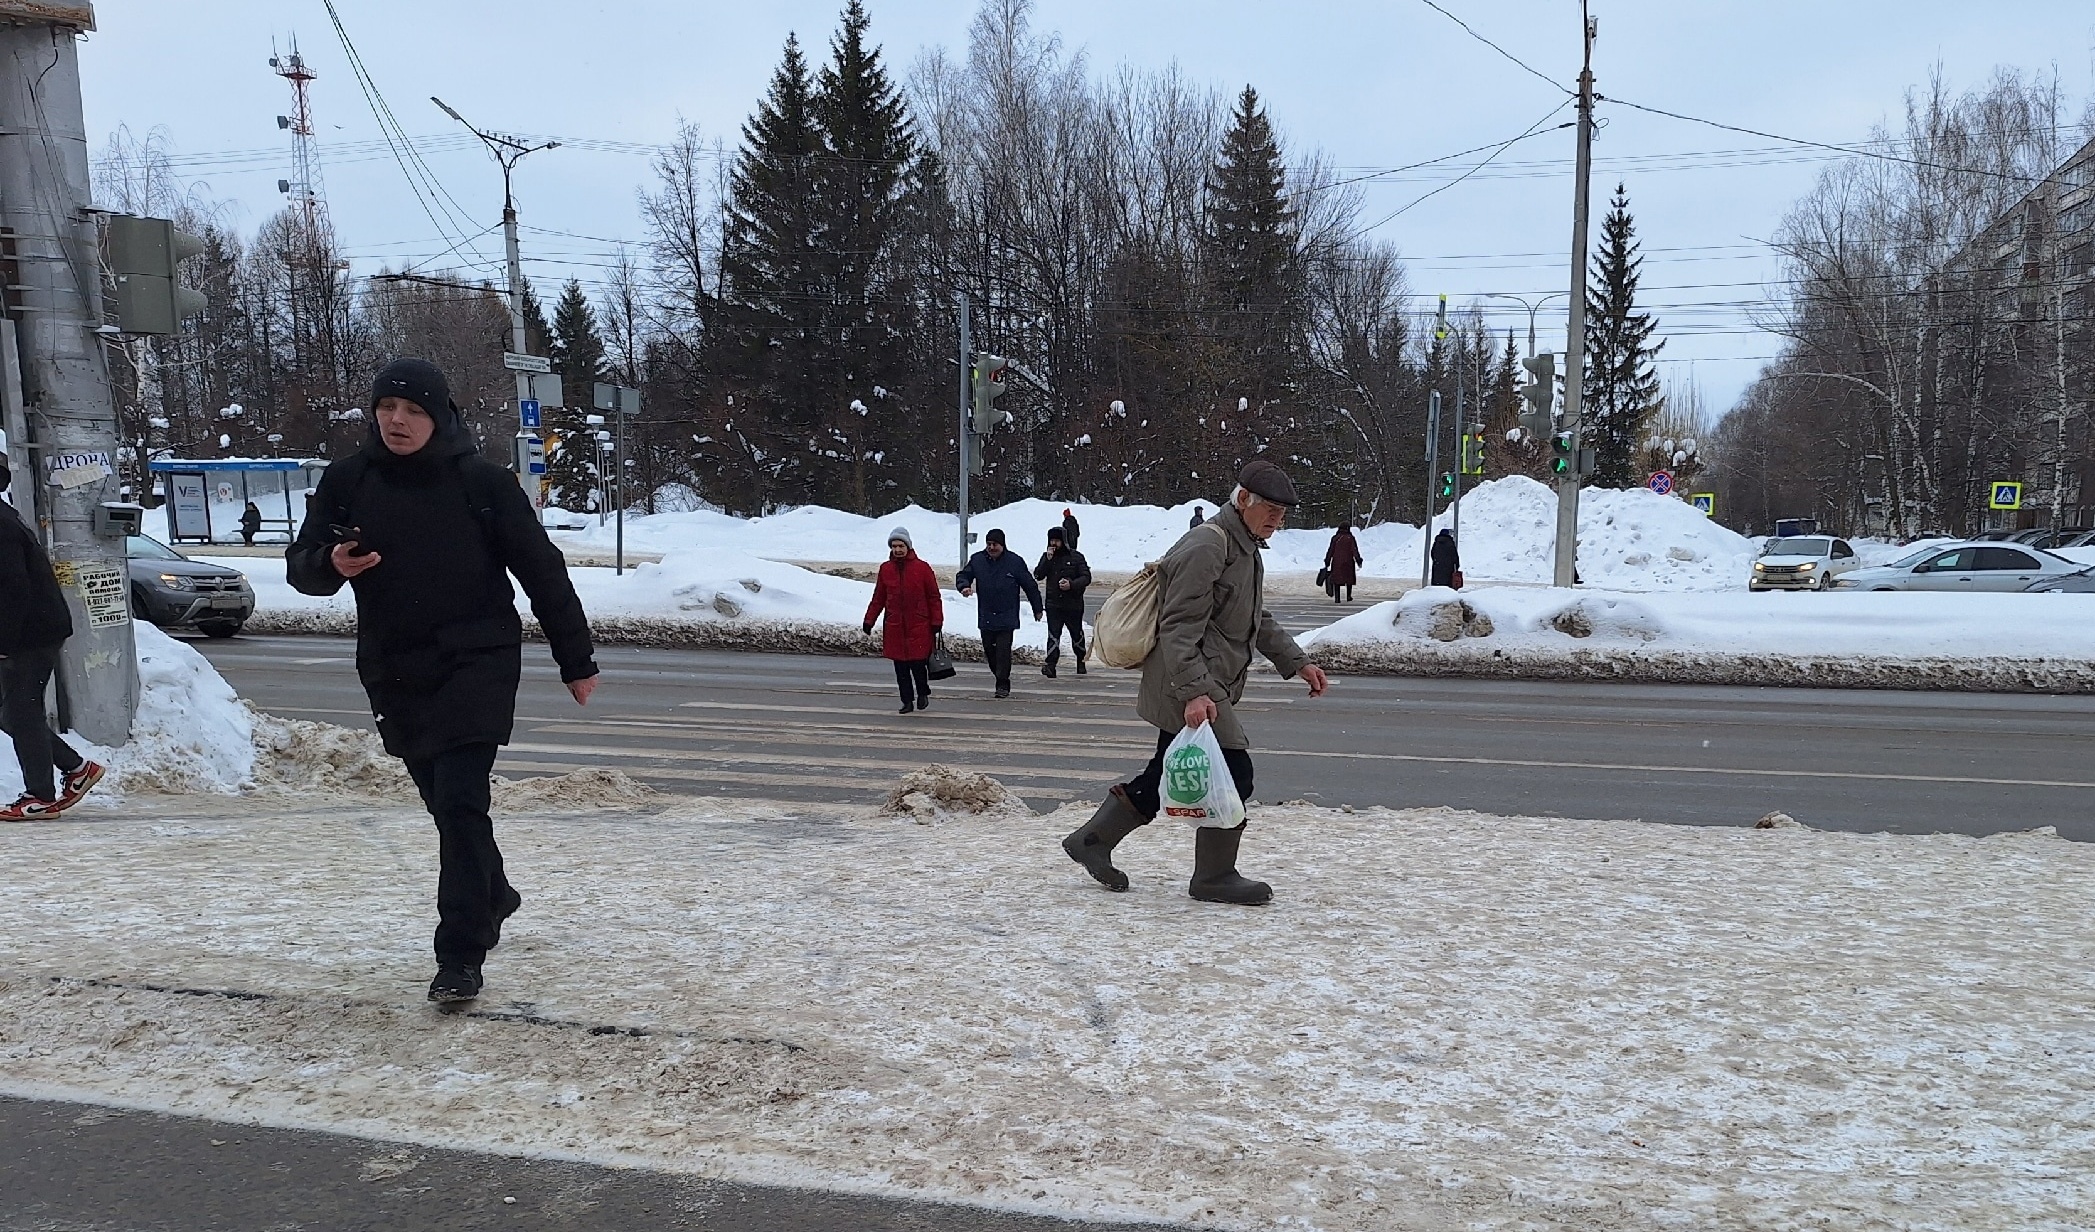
[1444, 1021]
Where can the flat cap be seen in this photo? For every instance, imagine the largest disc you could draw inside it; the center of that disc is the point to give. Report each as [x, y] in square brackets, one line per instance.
[1261, 478]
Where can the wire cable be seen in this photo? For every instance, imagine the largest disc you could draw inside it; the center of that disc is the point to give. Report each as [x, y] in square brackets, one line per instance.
[1531, 69]
[1508, 144]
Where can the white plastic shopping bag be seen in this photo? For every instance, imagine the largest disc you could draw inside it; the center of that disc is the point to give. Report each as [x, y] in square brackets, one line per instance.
[1197, 787]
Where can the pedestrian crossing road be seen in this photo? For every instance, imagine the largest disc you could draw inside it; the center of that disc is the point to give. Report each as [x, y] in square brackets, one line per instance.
[720, 723]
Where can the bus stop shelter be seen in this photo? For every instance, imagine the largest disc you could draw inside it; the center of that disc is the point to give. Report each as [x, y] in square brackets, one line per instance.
[193, 487]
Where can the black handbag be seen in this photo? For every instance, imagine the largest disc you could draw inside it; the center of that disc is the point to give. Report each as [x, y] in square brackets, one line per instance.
[1323, 575]
[940, 665]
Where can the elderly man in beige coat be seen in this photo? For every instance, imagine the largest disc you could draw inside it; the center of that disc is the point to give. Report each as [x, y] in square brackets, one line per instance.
[1211, 618]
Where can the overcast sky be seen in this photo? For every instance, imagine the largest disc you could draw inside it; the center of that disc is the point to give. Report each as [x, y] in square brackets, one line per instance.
[1374, 85]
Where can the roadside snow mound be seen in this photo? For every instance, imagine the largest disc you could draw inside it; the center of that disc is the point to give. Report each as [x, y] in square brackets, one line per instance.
[301, 757]
[936, 792]
[577, 789]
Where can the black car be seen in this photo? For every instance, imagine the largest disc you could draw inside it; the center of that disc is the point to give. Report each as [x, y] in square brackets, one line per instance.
[175, 592]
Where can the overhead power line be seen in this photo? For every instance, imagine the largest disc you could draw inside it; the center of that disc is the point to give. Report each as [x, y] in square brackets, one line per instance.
[1466, 28]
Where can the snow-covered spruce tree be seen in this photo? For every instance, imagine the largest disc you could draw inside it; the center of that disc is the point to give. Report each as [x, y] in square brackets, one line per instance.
[766, 346]
[1620, 393]
[862, 212]
[578, 356]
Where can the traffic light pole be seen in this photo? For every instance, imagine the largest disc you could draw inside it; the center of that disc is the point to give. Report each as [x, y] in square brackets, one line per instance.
[57, 308]
[967, 385]
[1566, 572]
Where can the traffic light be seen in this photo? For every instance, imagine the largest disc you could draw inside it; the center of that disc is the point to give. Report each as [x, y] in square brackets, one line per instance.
[1562, 462]
[144, 257]
[1447, 485]
[988, 387]
[1473, 453]
[1540, 394]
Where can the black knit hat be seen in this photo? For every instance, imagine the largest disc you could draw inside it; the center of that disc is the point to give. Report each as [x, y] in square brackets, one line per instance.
[1261, 478]
[995, 536]
[416, 380]
[1055, 533]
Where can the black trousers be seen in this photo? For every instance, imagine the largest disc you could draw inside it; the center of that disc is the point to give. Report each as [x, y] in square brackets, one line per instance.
[996, 647]
[469, 882]
[1071, 619]
[913, 679]
[1142, 790]
[24, 675]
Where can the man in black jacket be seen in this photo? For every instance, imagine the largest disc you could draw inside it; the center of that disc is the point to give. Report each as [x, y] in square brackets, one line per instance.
[428, 533]
[1063, 574]
[34, 623]
[1000, 576]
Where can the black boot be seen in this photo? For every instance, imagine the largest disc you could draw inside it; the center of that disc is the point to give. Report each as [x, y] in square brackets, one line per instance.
[1093, 842]
[1215, 878]
[455, 982]
[504, 908]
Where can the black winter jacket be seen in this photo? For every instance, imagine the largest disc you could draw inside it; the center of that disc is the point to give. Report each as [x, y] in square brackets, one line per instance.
[998, 583]
[1053, 568]
[32, 607]
[439, 643]
[1446, 560]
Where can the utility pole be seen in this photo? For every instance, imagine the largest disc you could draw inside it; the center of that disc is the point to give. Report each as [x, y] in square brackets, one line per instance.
[508, 152]
[69, 410]
[967, 452]
[1575, 339]
[1440, 337]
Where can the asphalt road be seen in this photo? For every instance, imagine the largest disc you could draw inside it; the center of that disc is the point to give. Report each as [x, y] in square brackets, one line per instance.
[817, 728]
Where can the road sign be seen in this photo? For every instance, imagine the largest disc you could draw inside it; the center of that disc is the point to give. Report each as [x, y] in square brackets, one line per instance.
[2006, 495]
[527, 413]
[1706, 502]
[526, 363]
[1660, 482]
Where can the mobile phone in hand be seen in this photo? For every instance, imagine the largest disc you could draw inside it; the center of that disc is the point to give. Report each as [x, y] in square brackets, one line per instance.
[348, 535]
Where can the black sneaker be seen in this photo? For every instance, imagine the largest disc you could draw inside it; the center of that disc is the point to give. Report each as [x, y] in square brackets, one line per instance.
[1003, 690]
[1048, 670]
[906, 708]
[454, 982]
[503, 910]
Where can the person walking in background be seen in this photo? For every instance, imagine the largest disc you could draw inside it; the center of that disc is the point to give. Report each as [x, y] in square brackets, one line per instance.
[1069, 529]
[1198, 517]
[906, 590]
[1211, 618]
[1447, 562]
[428, 533]
[34, 624]
[1000, 577]
[1344, 560]
[250, 522]
[1063, 574]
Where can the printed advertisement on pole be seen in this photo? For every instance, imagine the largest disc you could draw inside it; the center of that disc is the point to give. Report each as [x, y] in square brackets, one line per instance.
[104, 593]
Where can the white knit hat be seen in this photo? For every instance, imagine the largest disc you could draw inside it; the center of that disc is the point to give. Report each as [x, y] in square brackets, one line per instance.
[902, 533]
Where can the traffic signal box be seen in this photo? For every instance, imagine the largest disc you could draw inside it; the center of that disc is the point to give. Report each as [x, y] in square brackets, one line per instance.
[144, 259]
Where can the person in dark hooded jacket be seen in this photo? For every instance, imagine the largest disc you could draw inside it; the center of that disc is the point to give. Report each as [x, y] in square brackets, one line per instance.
[1447, 562]
[34, 624]
[428, 533]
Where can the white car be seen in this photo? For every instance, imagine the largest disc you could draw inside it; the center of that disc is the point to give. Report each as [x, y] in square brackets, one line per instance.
[1965, 567]
[1802, 562]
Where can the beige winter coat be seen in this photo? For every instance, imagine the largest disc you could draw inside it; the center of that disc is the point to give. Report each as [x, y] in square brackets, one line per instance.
[1211, 617]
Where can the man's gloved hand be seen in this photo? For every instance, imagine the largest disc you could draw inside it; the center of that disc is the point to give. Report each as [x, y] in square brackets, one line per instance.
[866, 629]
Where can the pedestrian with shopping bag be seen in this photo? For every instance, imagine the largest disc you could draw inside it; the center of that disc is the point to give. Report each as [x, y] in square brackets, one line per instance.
[1063, 575]
[1342, 562]
[1209, 595]
[905, 591]
[428, 533]
[996, 577]
[34, 624]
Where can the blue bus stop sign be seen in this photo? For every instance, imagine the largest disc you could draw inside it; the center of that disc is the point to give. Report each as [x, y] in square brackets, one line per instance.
[527, 412]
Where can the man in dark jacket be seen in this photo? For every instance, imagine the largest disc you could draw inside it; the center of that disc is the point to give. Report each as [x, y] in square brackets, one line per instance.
[1063, 574]
[428, 533]
[1446, 560]
[1069, 529]
[1000, 576]
[34, 623]
[250, 523]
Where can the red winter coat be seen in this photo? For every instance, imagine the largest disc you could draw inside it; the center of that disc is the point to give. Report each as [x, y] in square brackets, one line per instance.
[1344, 559]
[907, 591]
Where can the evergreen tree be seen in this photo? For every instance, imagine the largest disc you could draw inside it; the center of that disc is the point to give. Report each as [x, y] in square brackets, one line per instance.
[1619, 393]
[862, 203]
[768, 346]
[1254, 278]
[577, 353]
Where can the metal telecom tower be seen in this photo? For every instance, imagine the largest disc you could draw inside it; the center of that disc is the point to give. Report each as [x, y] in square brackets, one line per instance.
[303, 189]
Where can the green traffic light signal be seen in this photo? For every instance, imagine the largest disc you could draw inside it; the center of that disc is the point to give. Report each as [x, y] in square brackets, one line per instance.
[1447, 484]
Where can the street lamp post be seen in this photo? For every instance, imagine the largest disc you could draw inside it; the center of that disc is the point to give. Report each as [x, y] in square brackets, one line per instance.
[1531, 306]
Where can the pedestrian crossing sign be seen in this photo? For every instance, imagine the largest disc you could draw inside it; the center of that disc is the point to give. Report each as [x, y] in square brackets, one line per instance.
[1706, 502]
[2006, 496]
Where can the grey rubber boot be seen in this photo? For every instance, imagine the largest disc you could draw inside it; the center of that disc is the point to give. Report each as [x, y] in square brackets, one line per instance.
[1215, 878]
[1093, 842]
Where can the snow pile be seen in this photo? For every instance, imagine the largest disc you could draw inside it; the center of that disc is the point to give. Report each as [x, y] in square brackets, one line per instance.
[301, 757]
[1444, 1021]
[1891, 639]
[936, 792]
[587, 788]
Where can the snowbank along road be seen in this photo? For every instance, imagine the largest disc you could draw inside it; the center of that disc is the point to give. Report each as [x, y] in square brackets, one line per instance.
[814, 728]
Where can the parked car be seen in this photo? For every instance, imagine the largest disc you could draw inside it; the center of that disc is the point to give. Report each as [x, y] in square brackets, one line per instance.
[2075, 539]
[172, 591]
[2080, 583]
[1809, 562]
[1974, 566]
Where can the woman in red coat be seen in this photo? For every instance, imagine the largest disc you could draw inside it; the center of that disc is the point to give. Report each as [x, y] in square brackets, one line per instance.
[1343, 559]
[907, 591]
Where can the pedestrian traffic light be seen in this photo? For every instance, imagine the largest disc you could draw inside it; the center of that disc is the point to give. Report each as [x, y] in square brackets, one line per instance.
[988, 381]
[1564, 460]
[1447, 485]
[1540, 394]
[144, 259]
[1473, 453]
